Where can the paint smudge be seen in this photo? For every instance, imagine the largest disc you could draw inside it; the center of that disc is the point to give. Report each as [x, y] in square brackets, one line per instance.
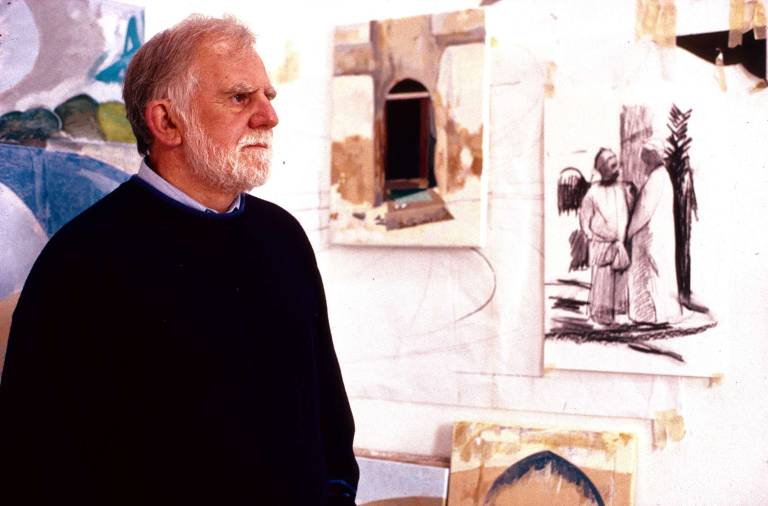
[114, 123]
[79, 117]
[352, 169]
[31, 128]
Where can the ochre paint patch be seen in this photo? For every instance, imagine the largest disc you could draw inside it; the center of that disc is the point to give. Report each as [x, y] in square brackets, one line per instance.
[353, 60]
[352, 169]
[468, 441]
[458, 140]
[458, 22]
[574, 439]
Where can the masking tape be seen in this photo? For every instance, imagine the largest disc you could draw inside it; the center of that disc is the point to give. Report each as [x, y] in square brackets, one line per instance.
[667, 426]
[759, 20]
[549, 80]
[737, 25]
[720, 72]
[716, 380]
[657, 19]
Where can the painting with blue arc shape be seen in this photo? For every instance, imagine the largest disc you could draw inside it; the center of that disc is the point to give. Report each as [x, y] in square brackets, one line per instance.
[56, 186]
[560, 468]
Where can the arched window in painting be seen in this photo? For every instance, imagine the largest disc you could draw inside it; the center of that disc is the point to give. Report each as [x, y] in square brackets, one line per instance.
[410, 144]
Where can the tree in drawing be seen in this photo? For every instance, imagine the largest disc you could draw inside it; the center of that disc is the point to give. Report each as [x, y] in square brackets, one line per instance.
[685, 206]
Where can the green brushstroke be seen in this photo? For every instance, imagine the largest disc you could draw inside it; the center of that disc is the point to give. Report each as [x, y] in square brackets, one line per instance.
[114, 124]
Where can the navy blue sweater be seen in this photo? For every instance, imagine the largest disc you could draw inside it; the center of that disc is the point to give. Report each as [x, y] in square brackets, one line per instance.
[160, 355]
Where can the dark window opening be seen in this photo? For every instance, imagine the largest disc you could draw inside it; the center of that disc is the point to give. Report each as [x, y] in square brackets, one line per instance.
[410, 140]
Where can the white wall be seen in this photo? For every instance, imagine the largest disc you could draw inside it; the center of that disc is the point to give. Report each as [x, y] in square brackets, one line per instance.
[723, 458]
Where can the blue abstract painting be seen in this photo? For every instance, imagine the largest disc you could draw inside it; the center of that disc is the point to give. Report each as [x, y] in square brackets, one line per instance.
[64, 139]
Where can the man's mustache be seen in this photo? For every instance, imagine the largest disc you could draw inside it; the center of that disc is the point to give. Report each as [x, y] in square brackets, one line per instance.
[262, 139]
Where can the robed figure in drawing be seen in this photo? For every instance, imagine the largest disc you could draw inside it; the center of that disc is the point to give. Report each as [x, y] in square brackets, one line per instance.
[603, 217]
[653, 291]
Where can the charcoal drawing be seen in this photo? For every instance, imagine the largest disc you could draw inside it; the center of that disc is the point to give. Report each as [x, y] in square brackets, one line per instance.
[635, 219]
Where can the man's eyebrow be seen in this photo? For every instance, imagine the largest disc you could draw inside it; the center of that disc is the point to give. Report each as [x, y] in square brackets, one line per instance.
[240, 88]
[246, 88]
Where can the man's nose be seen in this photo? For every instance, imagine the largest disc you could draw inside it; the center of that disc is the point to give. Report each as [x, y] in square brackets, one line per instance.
[264, 115]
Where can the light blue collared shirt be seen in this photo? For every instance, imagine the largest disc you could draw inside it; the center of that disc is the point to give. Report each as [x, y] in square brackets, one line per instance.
[154, 179]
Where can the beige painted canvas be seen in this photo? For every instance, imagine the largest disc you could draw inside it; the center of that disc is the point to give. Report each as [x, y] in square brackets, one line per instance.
[408, 143]
[495, 465]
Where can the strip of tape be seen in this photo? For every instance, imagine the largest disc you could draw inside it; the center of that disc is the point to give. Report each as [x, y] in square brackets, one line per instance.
[667, 426]
[657, 19]
[719, 69]
[737, 24]
[549, 80]
[745, 15]
[759, 20]
[716, 380]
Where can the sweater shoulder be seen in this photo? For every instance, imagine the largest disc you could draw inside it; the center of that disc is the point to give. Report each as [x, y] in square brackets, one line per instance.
[269, 212]
[94, 226]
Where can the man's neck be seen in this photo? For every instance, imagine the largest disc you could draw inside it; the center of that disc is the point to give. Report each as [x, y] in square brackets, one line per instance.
[178, 174]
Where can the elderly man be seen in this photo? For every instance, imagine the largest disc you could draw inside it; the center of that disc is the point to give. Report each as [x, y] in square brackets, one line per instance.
[603, 218]
[653, 293]
[171, 345]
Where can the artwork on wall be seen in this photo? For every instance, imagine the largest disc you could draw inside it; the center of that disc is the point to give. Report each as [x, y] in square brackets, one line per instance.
[494, 465]
[392, 483]
[64, 139]
[635, 262]
[407, 131]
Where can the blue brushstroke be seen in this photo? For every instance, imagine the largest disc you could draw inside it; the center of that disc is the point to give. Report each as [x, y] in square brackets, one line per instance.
[115, 73]
[56, 186]
[539, 461]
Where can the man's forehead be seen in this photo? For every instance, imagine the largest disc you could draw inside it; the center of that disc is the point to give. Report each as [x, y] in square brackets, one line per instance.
[229, 65]
[218, 49]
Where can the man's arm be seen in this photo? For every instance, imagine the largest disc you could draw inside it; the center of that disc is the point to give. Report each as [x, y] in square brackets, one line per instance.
[586, 211]
[338, 426]
[39, 443]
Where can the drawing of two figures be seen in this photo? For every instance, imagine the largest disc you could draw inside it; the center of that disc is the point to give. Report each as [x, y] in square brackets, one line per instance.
[631, 243]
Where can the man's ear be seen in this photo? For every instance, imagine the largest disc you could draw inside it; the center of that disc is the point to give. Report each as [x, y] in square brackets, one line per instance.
[162, 123]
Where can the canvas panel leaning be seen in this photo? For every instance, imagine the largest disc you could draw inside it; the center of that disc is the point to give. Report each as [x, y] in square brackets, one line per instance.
[408, 137]
[495, 465]
[64, 138]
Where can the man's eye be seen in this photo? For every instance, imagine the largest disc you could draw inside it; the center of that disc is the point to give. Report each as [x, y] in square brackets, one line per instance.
[239, 98]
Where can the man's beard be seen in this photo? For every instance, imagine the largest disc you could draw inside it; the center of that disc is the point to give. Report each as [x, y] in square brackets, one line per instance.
[231, 169]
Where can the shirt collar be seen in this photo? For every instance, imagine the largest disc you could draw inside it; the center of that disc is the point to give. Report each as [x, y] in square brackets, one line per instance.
[148, 175]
